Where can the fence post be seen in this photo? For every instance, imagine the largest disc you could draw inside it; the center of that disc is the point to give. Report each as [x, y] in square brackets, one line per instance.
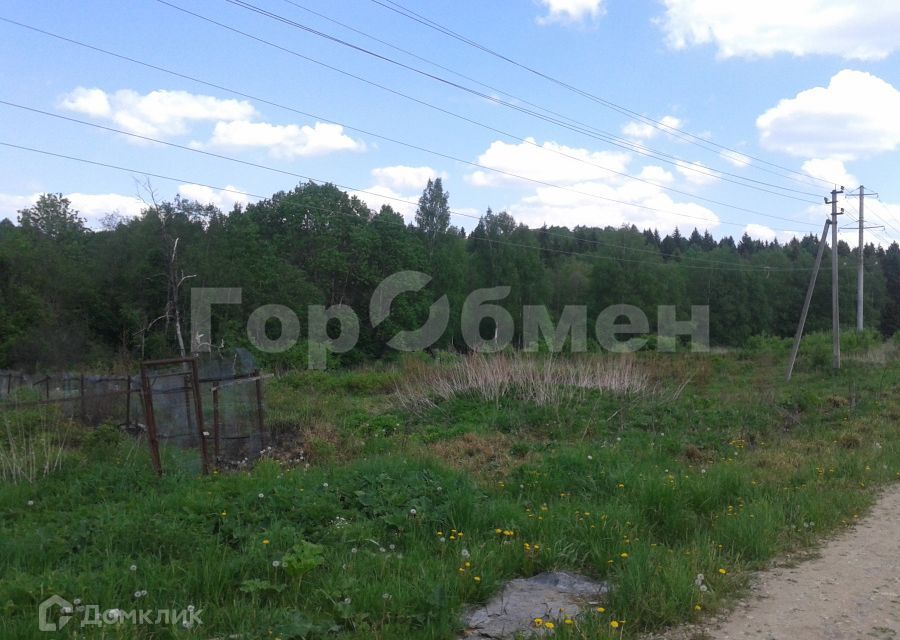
[128, 402]
[198, 403]
[147, 393]
[260, 417]
[82, 411]
[215, 400]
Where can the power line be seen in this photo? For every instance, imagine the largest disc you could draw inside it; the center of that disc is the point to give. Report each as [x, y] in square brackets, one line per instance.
[577, 126]
[687, 136]
[290, 173]
[707, 266]
[424, 149]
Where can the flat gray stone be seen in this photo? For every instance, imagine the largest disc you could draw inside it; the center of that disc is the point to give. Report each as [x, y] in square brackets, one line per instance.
[550, 596]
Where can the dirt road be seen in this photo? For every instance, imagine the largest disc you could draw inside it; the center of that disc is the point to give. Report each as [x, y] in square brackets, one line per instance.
[850, 590]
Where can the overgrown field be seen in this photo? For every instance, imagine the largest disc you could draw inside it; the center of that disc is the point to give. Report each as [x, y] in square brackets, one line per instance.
[401, 495]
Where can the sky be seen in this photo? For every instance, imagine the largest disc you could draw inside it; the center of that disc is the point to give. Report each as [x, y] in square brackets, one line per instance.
[730, 117]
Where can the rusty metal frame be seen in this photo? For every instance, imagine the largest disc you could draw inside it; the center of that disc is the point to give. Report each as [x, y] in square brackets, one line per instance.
[192, 384]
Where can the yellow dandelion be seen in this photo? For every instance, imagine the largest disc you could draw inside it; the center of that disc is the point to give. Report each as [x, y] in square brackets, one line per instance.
[624, 554]
[600, 610]
[569, 621]
[477, 578]
[722, 571]
[697, 607]
[538, 622]
[266, 541]
[549, 625]
[614, 624]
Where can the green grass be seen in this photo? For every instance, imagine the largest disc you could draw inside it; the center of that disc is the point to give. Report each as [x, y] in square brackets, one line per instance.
[646, 491]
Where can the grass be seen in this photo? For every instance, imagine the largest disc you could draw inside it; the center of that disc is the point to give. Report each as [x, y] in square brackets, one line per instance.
[364, 538]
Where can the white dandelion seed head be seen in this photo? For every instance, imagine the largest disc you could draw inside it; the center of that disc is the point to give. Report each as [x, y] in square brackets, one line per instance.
[133, 567]
[261, 496]
[347, 600]
[386, 596]
[354, 550]
[30, 503]
[412, 512]
[276, 563]
[465, 554]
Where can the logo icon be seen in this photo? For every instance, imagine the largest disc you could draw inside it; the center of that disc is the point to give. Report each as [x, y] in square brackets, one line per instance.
[45, 611]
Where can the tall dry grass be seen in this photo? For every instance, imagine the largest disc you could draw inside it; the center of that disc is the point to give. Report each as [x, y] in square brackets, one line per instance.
[31, 445]
[541, 380]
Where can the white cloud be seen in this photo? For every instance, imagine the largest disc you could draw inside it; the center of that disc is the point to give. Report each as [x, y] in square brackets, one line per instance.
[639, 130]
[224, 199]
[760, 232]
[403, 177]
[830, 170]
[91, 102]
[378, 195]
[91, 206]
[11, 204]
[155, 114]
[545, 163]
[555, 207]
[695, 173]
[656, 174]
[860, 30]
[854, 116]
[645, 130]
[735, 158]
[570, 11]
[285, 141]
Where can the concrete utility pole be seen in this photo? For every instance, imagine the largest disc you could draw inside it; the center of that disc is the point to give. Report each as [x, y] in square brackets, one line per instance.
[835, 309]
[861, 275]
[809, 293]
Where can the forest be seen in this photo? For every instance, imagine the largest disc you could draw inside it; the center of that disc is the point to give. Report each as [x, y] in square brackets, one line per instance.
[71, 296]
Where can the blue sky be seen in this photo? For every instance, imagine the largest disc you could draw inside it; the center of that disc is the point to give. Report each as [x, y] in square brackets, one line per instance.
[812, 87]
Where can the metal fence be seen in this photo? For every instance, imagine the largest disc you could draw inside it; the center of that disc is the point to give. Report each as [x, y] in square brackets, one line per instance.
[89, 399]
[211, 409]
[213, 406]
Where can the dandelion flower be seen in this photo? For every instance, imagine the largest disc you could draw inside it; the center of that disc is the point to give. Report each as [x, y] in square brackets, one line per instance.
[623, 555]
[265, 541]
[722, 571]
[549, 625]
[476, 578]
[261, 496]
[538, 622]
[697, 607]
[133, 567]
[569, 621]
[276, 563]
[600, 610]
[614, 624]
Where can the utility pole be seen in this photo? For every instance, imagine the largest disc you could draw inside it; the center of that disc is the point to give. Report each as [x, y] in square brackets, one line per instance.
[809, 293]
[861, 274]
[835, 308]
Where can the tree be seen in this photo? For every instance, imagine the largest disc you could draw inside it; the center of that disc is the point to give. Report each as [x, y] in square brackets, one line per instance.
[52, 216]
[433, 213]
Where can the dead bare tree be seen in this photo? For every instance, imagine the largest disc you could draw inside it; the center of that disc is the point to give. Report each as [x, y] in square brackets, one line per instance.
[175, 277]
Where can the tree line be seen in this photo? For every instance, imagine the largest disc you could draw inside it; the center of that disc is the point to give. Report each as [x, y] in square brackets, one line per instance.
[71, 296]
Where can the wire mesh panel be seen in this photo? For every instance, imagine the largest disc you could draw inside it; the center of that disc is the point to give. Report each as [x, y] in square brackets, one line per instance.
[88, 399]
[239, 433]
[174, 408]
